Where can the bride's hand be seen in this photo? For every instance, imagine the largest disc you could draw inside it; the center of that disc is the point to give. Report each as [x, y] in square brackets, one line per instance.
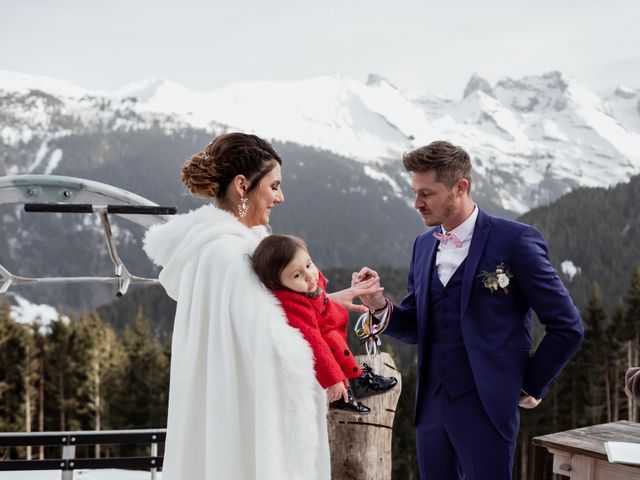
[364, 289]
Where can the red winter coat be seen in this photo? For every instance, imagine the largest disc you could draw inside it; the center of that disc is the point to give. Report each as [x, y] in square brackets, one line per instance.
[314, 317]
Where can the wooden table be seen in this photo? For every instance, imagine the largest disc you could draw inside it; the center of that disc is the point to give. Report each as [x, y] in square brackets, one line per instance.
[580, 454]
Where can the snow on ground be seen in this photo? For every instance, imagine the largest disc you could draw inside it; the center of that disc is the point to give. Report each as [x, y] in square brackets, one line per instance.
[383, 177]
[569, 269]
[106, 474]
[54, 161]
[29, 313]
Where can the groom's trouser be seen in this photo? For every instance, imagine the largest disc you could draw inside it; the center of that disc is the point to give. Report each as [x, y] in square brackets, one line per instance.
[456, 439]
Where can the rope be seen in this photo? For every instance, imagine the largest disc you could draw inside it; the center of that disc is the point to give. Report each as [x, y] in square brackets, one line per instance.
[368, 329]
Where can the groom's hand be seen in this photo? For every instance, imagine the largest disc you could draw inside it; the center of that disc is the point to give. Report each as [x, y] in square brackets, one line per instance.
[364, 274]
[368, 276]
[529, 402]
[362, 290]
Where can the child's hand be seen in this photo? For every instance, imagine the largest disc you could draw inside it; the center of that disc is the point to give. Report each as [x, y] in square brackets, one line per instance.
[345, 297]
[336, 391]
[369, 278]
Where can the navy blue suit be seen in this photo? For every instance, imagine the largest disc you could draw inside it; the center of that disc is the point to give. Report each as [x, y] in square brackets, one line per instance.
[488, 344]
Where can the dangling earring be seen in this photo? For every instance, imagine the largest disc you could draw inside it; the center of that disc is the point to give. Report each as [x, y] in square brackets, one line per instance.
[243, 207]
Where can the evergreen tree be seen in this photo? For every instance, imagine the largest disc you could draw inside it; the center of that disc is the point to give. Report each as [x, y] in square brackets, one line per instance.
[39, 342]
[95, 350]
[13, 352]
[58, 373]
[15, 377]
[29, 370]
[595, 228]
[595, 355]
[632, 324]
[405, 462]
[618, 339]
[632, 306]
[140, 400]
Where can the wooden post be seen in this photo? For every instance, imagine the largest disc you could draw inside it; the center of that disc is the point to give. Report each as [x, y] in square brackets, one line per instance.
[361, 444]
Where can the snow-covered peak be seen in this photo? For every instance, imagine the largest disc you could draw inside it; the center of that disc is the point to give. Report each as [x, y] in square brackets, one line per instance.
[333, 112]
[550, 91]
[625, 92]
[477, 83]
[24, 83]
[433, 104]
[142, 90]
[376, 80]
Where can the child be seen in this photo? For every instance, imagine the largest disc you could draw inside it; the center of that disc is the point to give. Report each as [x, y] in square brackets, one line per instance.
[284, 265]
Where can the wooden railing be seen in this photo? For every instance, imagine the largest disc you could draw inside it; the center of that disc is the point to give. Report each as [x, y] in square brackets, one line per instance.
[67, 462]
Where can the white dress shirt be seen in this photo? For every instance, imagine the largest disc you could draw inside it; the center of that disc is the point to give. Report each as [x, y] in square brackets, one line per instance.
[449, 257]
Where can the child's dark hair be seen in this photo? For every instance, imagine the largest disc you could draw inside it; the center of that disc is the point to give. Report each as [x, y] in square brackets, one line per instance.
[272, 255]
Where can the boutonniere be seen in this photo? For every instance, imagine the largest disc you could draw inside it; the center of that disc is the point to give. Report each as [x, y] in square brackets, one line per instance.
[498, 279]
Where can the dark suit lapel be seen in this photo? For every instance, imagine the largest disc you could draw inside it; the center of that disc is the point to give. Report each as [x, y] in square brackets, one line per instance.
[478, 242]
[427, 264]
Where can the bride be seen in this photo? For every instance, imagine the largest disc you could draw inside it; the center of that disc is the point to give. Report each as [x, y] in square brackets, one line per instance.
[243, 400]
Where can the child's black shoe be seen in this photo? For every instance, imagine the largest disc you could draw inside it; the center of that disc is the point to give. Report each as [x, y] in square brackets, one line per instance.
[369, 383]
[352, 405]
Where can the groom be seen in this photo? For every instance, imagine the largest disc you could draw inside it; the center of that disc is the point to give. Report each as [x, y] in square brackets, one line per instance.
[474, 281]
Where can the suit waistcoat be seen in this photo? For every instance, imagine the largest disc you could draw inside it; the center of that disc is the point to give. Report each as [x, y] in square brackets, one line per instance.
[447, 360]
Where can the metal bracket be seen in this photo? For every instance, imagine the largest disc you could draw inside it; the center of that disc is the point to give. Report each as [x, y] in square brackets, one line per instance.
[60, 191]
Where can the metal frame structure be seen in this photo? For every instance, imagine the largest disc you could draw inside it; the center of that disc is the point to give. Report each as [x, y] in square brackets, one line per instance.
[53, 193]
[58, 194]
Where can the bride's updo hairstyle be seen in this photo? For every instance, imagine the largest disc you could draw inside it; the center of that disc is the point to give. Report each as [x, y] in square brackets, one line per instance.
[210, 172]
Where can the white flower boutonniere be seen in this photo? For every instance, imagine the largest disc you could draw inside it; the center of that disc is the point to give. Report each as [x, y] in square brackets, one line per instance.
[498, 279]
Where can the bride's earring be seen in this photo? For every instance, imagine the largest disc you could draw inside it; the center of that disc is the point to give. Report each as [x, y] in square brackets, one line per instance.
[243, 207]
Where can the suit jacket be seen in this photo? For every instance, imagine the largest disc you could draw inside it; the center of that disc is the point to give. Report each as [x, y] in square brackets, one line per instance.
[496, 327]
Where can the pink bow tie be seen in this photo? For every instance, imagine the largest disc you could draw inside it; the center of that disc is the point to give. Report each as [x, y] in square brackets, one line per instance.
[448, 237]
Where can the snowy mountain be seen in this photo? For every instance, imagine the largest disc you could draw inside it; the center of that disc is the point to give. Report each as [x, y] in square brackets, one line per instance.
[532, 139]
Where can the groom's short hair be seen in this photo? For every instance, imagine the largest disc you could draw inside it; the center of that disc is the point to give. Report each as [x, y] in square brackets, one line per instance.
[450, 162]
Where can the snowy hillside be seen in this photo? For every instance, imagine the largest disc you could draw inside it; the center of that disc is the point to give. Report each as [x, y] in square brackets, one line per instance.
[24, 311]
[532, 139]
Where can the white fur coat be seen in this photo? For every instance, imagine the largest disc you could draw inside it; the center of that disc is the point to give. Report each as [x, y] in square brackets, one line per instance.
[243, 400]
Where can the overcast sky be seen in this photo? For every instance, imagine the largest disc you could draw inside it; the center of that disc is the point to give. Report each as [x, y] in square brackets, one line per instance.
[425, 45]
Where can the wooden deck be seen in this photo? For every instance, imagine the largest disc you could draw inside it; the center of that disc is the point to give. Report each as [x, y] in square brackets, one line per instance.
[580, 455]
